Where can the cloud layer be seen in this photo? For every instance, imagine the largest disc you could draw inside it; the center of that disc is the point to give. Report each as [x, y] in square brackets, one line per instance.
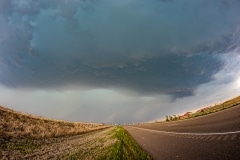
[101, 43]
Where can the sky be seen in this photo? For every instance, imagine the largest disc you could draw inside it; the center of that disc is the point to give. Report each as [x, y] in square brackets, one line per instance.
[118, 61]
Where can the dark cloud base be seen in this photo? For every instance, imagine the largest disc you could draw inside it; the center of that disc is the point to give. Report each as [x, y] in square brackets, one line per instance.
[176, 75]
[147, 46]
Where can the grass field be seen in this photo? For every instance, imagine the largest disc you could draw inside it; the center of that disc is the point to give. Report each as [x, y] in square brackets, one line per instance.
[124, 147]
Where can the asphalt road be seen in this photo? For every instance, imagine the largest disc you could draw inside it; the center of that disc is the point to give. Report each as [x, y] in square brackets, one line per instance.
[215, 136]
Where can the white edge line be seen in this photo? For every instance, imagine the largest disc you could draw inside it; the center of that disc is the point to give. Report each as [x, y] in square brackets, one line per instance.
[200, 134]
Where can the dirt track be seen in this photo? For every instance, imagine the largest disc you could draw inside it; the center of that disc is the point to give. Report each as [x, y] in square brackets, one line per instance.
[86, 146]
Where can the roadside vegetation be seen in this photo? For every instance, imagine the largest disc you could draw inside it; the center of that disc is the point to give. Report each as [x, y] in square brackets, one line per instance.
[23, 136]
[124, 147]
[24, 132]
[19, 125]
[207, 110]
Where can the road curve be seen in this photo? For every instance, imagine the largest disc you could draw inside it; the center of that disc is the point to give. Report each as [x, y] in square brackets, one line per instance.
[215, 136]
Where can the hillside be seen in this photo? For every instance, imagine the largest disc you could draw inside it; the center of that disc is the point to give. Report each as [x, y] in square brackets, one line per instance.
[207, 110]
[18, 125]
[24, 136]
[23, 133]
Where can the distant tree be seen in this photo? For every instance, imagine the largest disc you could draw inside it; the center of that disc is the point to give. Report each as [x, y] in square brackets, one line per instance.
[167, 118]
[174, 117]
[178, 117]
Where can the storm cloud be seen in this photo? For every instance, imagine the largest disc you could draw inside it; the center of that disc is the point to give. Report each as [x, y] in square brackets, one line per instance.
[133, 47]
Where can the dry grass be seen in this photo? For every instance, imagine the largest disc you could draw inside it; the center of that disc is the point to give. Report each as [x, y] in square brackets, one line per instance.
[18, 125]
[24, 136]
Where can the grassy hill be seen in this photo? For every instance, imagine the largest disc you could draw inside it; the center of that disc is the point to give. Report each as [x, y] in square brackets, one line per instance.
[24, 132]
[24, 136]
[19, 125]
[207, 110]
